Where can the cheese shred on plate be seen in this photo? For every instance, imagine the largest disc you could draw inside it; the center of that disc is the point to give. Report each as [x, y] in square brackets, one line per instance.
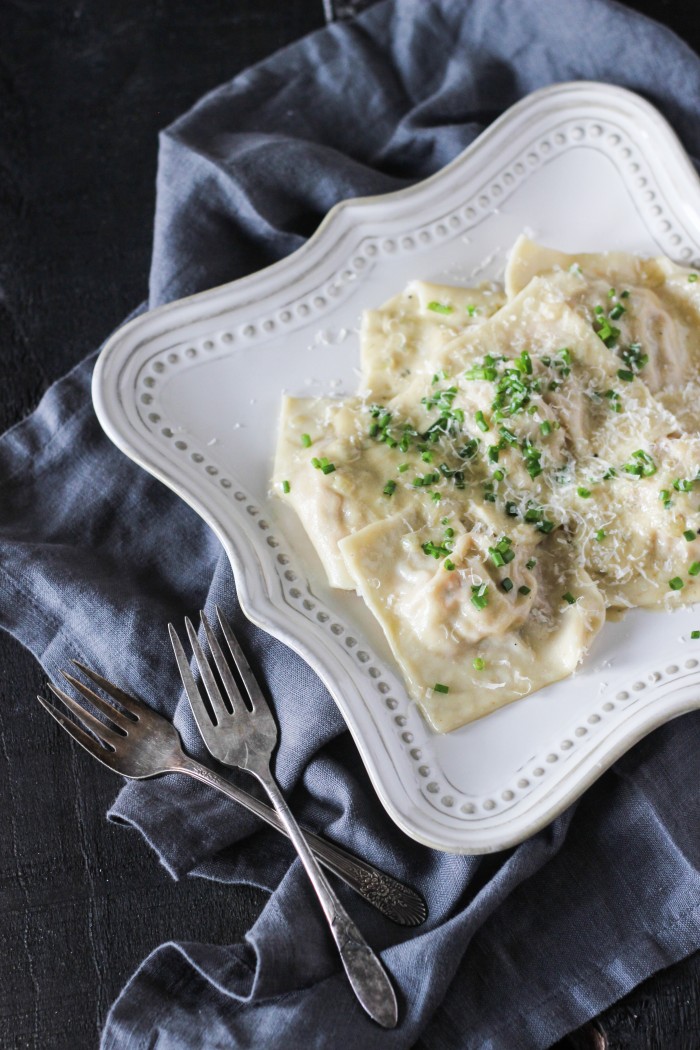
[514, 464]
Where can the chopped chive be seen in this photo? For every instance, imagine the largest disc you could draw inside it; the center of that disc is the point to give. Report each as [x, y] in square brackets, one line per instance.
[440, 308]
[402, 468]
[600, 535]
[469, 450]
[683, 484]
[676, 584]
[440, 688]
[285, 487]
[624, 295]
[690, 535]
[584, 493]
[306, 440]
[498, 475]
[427, 456]
[481, 422]
[531, 563]
[480, 595]
[390, 488]
[478, 664]
[323, 464]
[644, 467]
[449, 565]
[694, 569]
[616, 312]
[524, 590]
[614, 400]
[436, 550]
[624, 373]
[546, 427]
[435, 497]
[664, 495]
[471, 310]
[568, 597]
[692, 278]
[507, 584]
[695, 634]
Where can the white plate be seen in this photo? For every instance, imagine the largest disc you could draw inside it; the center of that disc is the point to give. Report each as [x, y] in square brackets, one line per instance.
[191, 392]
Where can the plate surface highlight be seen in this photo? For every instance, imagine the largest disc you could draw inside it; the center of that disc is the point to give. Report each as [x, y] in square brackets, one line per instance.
[191, 392]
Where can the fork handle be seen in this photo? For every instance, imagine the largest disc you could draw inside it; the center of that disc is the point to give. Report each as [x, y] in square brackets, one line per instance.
[392, 898]
[368, 978]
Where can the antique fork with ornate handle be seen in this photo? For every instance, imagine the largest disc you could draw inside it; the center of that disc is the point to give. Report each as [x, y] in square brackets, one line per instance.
[244, 734]
[140, 743]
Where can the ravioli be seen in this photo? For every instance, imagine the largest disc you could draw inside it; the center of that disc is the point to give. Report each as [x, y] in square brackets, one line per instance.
[461, 660]
[647, 312]
[399, 339]
[513, 465]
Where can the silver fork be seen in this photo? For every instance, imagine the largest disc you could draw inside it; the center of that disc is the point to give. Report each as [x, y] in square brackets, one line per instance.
[139, 743]
[245, 736]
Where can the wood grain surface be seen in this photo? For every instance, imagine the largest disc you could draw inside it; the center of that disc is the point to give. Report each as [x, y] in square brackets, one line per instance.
[84, 88]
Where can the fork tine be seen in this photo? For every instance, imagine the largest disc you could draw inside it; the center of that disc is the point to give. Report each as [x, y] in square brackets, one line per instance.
[247, 676]
[130, 703]
[118, 718]
[199, 709]
[105, 734]
[234, 693]
[78, 734]
[215, 698]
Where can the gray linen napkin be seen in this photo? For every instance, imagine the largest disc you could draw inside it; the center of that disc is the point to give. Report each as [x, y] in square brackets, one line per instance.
[519, 948]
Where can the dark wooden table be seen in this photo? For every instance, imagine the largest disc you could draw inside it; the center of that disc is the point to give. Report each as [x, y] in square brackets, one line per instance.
[85, 86]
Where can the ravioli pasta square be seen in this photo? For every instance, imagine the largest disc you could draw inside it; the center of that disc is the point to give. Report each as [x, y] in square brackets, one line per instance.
[399, 339]
[515, 463]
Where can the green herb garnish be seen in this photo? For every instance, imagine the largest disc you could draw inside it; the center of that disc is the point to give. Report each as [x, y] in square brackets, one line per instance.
[480, 595]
